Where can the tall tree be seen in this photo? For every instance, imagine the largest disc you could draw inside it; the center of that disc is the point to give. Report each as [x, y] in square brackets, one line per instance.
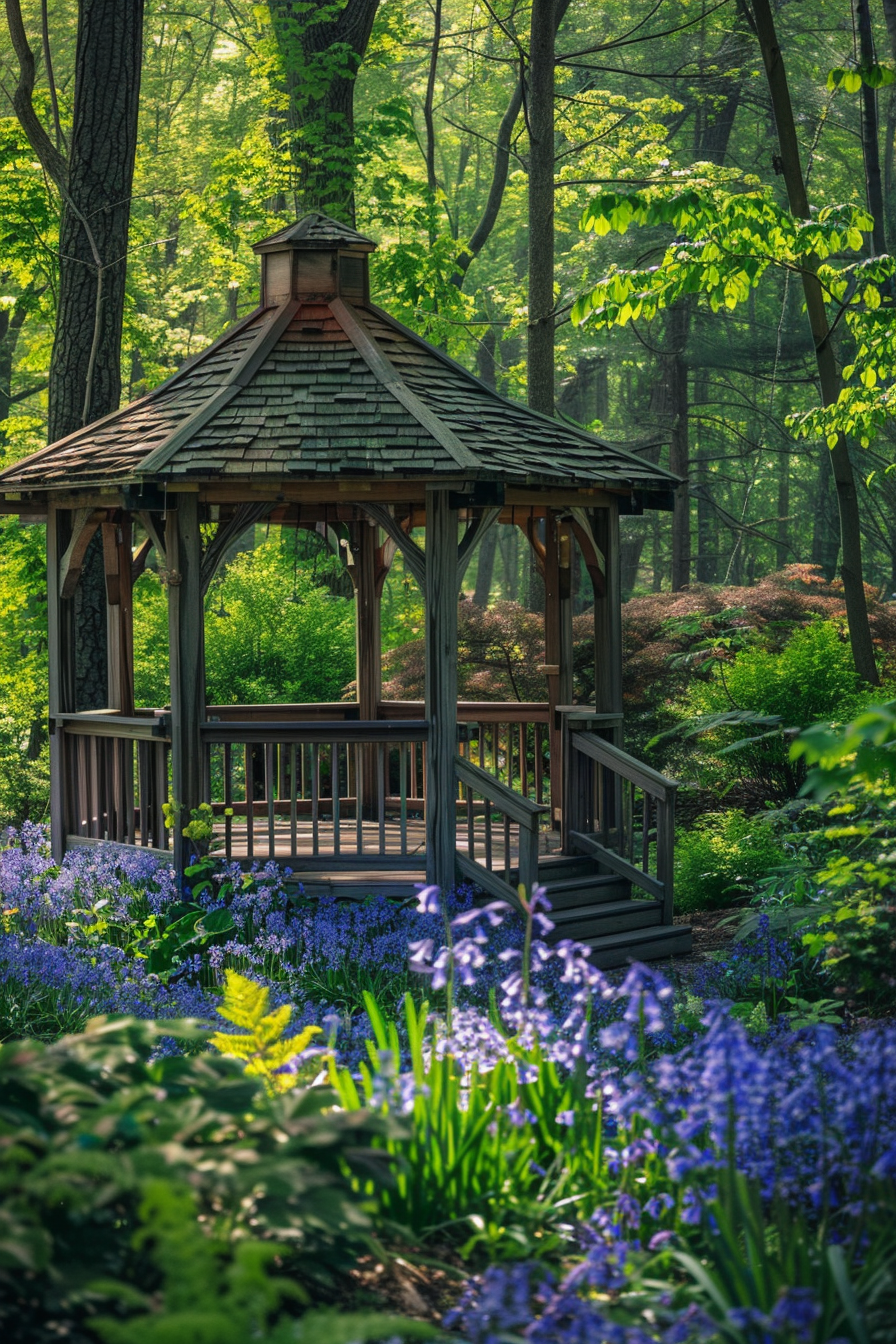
[321, 49]
[540, 119]
[851, 570]
[94, 179]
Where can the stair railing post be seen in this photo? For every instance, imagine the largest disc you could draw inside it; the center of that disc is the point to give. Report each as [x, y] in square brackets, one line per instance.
[665, 851]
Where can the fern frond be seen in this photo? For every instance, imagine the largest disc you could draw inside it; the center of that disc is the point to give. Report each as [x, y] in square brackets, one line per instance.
[263, 1049]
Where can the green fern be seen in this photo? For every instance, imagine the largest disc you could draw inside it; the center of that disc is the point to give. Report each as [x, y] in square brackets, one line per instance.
[263, 1047]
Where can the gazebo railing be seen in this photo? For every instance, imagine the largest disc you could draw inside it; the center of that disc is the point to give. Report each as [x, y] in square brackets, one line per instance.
[114, 777]
[337, 793]
[510, 740]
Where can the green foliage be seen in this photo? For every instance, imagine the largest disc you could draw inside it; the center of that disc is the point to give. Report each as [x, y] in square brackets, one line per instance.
[777, 690]
[24, 751]
[108, 1159]
[851, 922]
[274, 634]
[754, 1256]
[720, 858]
[263, 1048]
[729, 232]
[465, 1169]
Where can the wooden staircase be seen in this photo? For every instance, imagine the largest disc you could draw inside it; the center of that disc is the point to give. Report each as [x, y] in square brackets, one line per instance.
[603, 911]
[611, 887]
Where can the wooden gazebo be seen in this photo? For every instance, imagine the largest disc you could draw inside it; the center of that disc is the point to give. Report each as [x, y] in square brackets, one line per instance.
[319, 408]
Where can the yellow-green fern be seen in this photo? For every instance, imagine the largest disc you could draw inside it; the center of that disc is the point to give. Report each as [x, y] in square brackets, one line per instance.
[263, 1046]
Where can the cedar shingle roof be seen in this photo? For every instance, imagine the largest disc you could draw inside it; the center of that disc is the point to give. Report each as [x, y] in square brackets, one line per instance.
[321, 389]
[317, 230]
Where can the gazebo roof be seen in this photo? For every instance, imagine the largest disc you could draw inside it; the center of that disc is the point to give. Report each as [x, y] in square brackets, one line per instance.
[314, 386]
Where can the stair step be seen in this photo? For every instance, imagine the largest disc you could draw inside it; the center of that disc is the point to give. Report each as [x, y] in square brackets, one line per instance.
[607, 917]
[558, 866]
[618, 949]
[587, 890]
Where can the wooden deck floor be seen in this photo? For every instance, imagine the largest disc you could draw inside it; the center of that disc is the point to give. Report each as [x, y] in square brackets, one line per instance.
[370, 841]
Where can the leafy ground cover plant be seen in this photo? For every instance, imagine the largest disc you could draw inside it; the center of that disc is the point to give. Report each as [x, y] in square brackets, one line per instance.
[720, 858]
[108, 1156]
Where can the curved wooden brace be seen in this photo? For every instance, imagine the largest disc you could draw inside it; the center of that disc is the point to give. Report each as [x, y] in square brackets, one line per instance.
[246, 516]
[84, 525]
[414, 557]
[472, 537]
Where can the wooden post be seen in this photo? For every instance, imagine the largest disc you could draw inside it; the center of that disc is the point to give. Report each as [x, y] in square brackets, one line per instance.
[368, 575]
[441, 687]
[608, 621]
[117, 560]
[58, 650]
[557, 644]
[186, 637]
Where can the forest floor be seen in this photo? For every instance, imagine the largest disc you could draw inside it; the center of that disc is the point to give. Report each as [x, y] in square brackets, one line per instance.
[712, 931]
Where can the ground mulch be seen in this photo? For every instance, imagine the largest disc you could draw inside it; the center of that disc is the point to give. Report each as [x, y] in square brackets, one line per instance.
[712, 930]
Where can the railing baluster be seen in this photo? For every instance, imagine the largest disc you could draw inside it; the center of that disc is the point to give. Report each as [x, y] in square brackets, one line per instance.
[359, 801]
[539, 765]
[645, 831]
[403, 793]
[524, 764]
[382, 781]
[270, 785]
[315, 797]
[250, 803]
[506, 848]
[471, 823]
[293, 798]
[334, 789]
[228, 800]
[487, 813]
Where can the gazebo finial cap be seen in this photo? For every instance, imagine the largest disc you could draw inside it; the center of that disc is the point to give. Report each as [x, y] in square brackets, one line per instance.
[316, 232]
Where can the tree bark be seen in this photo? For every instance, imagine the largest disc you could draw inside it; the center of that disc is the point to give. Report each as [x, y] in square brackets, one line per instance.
[94, 182]
[679, 447]
[85, 370]
[871, 133]
[322, 52]
[540, 110]
[828, 373]
[489, 216]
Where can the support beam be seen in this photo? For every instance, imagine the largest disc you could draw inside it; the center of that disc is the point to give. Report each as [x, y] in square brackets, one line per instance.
[557, 642]
[368, 572]
[414, 557]
[119, 586]
[84, 524]
[608, 620]
[472, 537]
[187, 664]
[441, 687]
[57, 651]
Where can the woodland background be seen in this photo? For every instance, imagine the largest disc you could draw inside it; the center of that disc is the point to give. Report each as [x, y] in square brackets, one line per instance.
[435, 127]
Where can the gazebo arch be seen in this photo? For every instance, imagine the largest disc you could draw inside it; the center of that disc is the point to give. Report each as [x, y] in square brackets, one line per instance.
[320, 407]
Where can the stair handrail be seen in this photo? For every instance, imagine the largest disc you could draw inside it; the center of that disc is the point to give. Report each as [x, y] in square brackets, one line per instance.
[658, 788]
[521, 810]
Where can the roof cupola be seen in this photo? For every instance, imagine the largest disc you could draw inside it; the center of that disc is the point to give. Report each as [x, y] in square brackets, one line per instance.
[315, 259]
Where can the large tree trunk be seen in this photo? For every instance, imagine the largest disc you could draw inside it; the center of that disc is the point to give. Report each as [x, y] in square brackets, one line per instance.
[95, 185]
[541, 206]
[870, 133]
[679, 446]
[85, 370]
[321, 55]
[828, 373]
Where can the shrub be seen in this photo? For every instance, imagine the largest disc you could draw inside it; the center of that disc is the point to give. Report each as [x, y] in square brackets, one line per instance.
[282, 637]
[718, 860]
[105, 1152]
[729, 721]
